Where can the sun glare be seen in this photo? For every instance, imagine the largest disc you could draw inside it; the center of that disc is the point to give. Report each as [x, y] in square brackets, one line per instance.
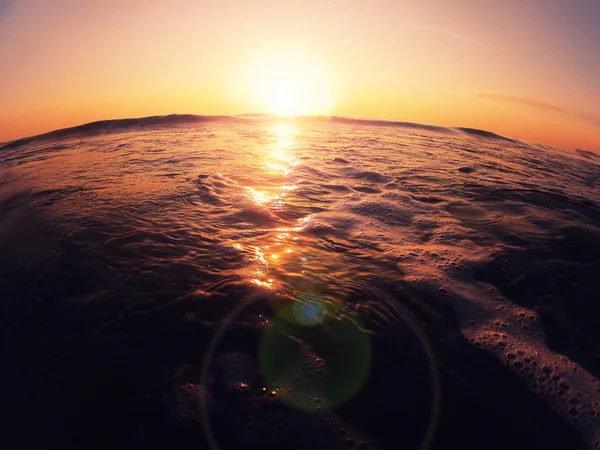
[288, 83]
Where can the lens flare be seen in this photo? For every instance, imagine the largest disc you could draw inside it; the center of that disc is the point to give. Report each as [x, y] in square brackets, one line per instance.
[309, 310]
[316, 367]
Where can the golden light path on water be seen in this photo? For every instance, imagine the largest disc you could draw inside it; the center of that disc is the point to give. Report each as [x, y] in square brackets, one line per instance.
[281, 257]
[293, 335]
[279, 160]
[311, 329]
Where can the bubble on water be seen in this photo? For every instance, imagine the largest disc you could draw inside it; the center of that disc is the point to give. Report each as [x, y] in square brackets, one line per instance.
[238, 371]
[183, 403]
[514, 335]
[564, 386]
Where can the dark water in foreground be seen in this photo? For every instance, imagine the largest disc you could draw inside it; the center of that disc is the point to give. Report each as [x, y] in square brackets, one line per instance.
[312, 284]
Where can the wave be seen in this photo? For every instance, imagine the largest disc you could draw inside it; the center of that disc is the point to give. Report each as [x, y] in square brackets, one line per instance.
[420, 126]
[173, 120]
[484, 134]
[390, 123]
[117, 125]
[587, 154]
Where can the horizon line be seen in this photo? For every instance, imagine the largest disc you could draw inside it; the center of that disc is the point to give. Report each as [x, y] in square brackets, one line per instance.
[175, 119]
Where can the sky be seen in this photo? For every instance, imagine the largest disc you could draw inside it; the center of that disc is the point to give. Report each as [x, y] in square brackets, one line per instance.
[528, 69]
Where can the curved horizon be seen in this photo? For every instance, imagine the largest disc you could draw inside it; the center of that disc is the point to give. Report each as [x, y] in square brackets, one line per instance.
[174, 119]
[366, 120]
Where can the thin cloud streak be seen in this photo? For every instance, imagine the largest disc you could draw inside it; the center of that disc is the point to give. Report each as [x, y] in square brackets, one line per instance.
[445, 32]
[537, 104]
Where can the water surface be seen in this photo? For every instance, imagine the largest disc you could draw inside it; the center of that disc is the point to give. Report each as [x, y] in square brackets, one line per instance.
[266, 283]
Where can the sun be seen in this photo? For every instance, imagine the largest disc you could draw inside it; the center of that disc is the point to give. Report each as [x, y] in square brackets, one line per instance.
[288, 83]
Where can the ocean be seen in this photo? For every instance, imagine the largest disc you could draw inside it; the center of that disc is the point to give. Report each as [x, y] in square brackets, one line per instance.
[260, 282]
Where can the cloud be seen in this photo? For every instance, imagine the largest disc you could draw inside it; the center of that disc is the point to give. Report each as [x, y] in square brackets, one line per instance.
[447, 33]
[537, 104]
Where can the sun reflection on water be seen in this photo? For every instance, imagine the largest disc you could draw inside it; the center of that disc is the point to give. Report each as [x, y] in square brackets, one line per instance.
[304, 295]
[277, 247]
[281, 143]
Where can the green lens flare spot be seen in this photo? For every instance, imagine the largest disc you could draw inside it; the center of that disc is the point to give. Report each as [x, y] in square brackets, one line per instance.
[315, 367]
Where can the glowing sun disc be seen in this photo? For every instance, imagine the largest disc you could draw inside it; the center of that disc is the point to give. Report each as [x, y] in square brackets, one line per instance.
[288, 83]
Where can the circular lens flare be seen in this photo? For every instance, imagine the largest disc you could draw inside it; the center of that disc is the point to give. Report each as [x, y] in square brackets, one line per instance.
[315, 367]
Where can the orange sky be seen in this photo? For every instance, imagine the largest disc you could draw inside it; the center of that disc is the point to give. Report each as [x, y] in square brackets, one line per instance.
[528, 69]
